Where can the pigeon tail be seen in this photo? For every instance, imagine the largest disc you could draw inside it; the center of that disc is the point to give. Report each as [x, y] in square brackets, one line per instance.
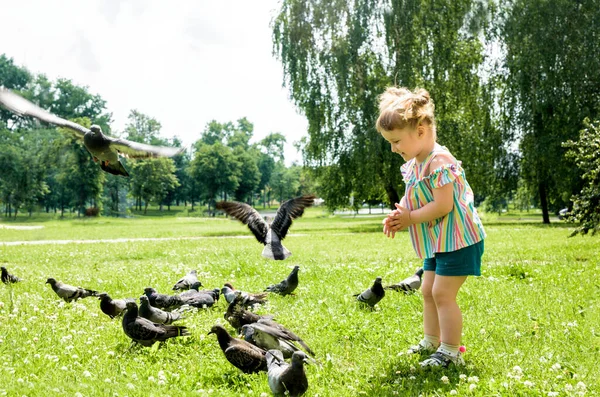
[114, 168]
[278, 252]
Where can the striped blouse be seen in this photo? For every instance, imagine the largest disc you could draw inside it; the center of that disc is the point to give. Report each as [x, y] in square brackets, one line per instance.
[461, 227]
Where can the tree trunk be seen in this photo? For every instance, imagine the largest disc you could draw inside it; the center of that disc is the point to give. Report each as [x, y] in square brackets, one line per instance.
[145, 208]
[544, 202]
[392, 196]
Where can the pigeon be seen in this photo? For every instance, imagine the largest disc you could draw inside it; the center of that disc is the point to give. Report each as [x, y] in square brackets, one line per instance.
[284, 378]
[273, 337]
[111, 307]
[199, 298]
[103, 148]
[154, 314]
[238, 316]
[286, 286]
[241, 354]
[187, 281]
[269, 234]
[249, 299]
[409, 284]
[162, 301]
[372, 295]
[68, 292]
[8, 278]
[144, 331]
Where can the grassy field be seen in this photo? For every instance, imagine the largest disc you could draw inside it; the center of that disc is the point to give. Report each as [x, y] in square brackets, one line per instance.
[531, 321]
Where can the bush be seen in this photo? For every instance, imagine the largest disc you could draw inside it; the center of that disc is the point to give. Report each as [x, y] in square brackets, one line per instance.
[92, 211]
[586, 154]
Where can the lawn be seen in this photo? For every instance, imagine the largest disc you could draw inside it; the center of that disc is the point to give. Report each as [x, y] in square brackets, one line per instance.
[531, 321]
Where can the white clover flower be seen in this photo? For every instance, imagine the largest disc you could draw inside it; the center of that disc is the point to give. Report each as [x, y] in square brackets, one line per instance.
[473, 379]
[482, 331]
[110, 353]
[20, 380]
[453, 392]
[581, 386]
[517, 369]
[151, 379]
[568, 387]
[160, 382]
[87, 374]
[130, 386]
[78, 394]
[505, 384]
[552, 394]
[472, 386]
[462, 376]
[64, 368]
[555, 367]
[528, 384]
[263, 394]
[107, 380]
[412, 377]
[445, 379]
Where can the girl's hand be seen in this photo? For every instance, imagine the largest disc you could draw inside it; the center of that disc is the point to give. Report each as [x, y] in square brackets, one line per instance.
[390, 223]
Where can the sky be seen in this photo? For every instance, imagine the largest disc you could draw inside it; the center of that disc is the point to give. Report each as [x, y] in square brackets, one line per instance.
[184, 62]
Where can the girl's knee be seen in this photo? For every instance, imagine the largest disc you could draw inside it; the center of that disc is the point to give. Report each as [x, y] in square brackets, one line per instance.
[442, 296]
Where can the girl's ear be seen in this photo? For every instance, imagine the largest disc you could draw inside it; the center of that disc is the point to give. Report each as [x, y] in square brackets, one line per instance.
[420, 130]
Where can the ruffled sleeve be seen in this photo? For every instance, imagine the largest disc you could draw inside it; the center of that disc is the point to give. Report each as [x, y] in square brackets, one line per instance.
[443, 175]
[405, 169]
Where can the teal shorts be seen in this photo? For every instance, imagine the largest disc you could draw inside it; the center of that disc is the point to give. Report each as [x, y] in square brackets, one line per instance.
[463, 262]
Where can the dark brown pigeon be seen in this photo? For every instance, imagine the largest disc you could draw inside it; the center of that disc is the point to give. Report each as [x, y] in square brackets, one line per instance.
[286, 286]
[111, 307]
[238, 316]
[372, 295]
[144, 331]
[103, 148]
[269, 234]
[286, 379]
[241, 354]
[8, 278]
[249, 299]
[68, 292]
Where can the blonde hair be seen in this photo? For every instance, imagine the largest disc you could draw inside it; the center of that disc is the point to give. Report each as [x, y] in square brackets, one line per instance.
[401, 107]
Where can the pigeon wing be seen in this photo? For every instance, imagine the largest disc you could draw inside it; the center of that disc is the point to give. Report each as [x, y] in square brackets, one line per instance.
[138, 150]
[247, 215]
[21, 106]
[246, 357]
[289, 211]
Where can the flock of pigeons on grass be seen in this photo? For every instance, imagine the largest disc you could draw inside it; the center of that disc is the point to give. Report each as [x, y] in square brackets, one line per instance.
[264, 344]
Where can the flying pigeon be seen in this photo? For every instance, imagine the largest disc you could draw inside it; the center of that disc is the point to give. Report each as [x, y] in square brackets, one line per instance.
[154, 314]
[249, 299]
[111, 307]
[68, 292]
[9, 278]
[273, 337]
[409, 284]
[103, 148]
[162, 301]
[372, 295]
[269, 234]
[238, 316]
[144, 331]
[284, 378]
[286, 286]
[187, 281]
[241, 354]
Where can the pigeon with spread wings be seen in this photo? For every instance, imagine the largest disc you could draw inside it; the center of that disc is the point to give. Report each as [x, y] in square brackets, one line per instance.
[269, 234]
[103, 148]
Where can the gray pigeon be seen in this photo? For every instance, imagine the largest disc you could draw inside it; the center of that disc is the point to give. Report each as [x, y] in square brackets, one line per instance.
[111, 307]
[269, 234]
[372, 295]
[286, 286]
[284, 378]
[238, 316]
[144, 331]
[8, 278]
[241, 354]
[199, 298]
[103, 149]
[249, 299]
[272, 337]
[187, 281]
[162, 301]
[409, 284]
[154, 314]
[68, 292]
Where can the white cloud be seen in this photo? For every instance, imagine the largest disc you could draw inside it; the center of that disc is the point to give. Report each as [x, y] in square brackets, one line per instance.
[184, 63]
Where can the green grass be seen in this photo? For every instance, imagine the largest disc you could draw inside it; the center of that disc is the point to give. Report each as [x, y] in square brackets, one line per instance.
[535, 306]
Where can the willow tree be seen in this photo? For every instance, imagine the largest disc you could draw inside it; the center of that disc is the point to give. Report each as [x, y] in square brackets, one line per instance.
[338, 56]
[553, 84]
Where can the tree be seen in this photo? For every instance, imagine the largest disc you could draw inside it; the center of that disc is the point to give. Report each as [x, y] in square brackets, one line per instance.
[152, 179]
[338, 57]
[585, 152]
[552, 74]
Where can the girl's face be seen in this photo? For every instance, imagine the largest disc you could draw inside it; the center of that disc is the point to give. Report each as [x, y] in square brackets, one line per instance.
[407, 142]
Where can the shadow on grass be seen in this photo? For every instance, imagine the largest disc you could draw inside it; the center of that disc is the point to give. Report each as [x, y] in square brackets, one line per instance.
[404, 377]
